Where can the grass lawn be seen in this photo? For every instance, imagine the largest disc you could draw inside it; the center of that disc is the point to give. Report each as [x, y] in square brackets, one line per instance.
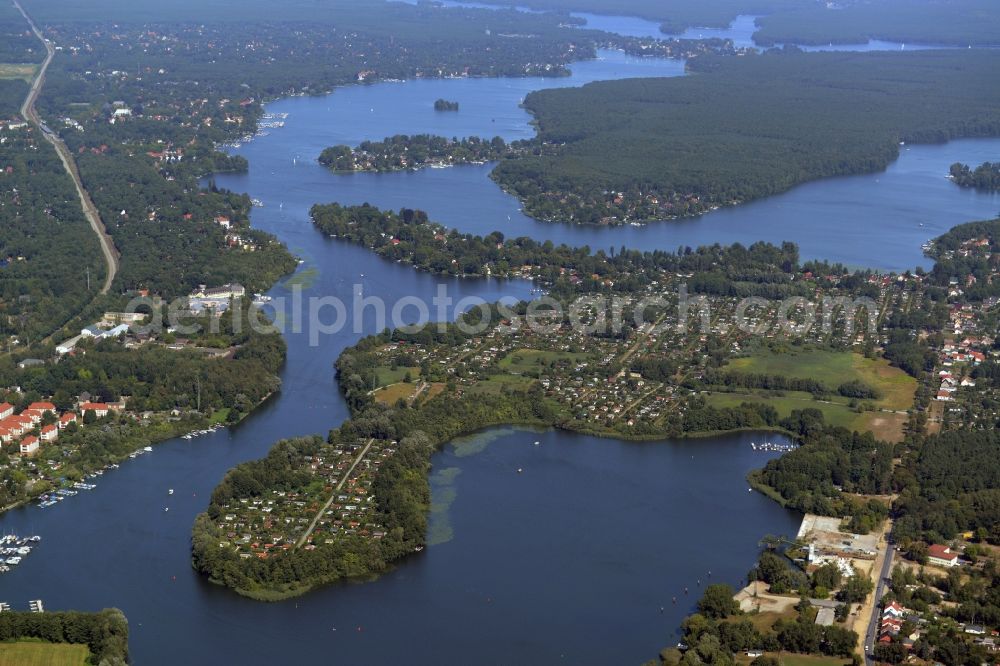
[35, 653]
[494, 384]
[25, 71]
[220, 416]
[385, 375]
[886, 426]
[834, 411]
[833, 369]
[523, 360]
[764, 622]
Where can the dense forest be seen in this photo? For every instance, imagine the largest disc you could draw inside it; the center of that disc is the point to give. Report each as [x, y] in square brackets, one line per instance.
[831, 460]
[17, 43]
[742, 128]
[761, 269]
[50, 260]
[986, 176]
[105, 633]
[445, 105]
[949, 485]
[12, 93]
[946, 484]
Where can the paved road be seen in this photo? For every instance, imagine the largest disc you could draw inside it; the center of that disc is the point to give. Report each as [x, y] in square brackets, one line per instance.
[333, 495]
[31, 115]
[872, 635]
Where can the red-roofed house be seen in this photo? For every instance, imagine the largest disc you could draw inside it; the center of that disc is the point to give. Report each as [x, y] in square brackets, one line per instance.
[33, 414]
[29, 445]
[43, 406]
[942, 556]
[49, 433]
[893, 610]
[6, 409]
[891, 626]
[66, 419]
[99, 408]
[13, 425]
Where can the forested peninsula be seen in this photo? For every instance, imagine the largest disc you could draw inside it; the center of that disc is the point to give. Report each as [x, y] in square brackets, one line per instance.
[738, 129]
[986, 176]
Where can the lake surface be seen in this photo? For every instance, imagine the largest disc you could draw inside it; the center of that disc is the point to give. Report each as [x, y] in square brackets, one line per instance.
[572, 559]
[876, 220]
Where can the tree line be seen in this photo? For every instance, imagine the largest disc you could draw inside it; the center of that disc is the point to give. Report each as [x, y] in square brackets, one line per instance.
[105, 633]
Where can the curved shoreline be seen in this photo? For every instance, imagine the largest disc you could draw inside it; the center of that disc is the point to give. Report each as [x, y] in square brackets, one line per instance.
[285, 592]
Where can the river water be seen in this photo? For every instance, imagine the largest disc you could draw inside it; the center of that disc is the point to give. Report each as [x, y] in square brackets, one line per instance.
[574, 558]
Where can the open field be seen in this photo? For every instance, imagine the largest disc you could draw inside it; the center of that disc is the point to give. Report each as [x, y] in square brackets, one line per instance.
[434, 389]
[25, 71]
[885, 425]
[833, 369]
[835, 410]
[392, 393]
[524, 360]
[385, 376]
[498, 382]
[36, 653]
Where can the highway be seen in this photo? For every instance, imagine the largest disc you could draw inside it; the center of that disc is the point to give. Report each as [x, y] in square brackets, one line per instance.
[30, 114]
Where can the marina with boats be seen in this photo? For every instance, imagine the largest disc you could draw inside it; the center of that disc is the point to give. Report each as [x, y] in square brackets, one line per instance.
[13, 549]
[198, 433]
[773, 447]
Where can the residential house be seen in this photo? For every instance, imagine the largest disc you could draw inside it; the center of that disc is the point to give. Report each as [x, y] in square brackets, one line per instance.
[942, 556]
[29, 445]
[99, 409]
